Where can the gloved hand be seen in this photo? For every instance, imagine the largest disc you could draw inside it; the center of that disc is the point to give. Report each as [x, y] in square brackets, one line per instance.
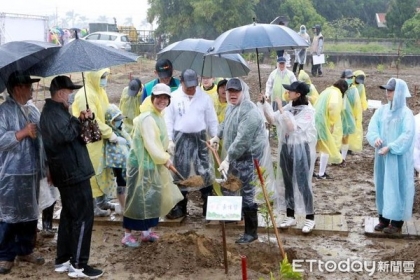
[224, 166]
[171, 148]
[121, 140]
[214, 142]
[168, 163]
[113, 138]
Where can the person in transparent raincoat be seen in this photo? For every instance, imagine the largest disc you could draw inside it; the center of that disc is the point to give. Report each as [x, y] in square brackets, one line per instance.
[130, 103]
[313, 94]
[191, 120]
[329, 127]
[20, 173]
[391, 132]
[150, 191]
[116, 153]
[103, 182]
[244, 139]
[297, 140]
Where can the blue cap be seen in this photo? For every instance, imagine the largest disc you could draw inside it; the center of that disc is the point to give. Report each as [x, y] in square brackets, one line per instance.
[281, 59]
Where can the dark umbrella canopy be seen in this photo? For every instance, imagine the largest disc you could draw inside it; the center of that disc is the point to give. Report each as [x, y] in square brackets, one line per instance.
[190, 54]
[81, 56]
[257, 38]
[21, 55]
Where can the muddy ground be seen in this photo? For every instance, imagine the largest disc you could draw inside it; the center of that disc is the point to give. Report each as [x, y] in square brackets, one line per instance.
[194, 250]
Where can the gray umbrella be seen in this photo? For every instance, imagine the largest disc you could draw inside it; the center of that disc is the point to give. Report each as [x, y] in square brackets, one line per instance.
[189, 54]
[257, 38]
[21, 55]
[81, 56]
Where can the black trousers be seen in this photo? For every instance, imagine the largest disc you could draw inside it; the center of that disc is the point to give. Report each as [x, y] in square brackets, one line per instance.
[76, 223]
[17, 239]
[292, 156]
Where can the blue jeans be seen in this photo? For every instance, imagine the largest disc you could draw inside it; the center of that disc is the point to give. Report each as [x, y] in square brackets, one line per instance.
[17, 239]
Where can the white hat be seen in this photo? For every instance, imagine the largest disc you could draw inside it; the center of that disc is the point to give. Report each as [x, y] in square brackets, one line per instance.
[161, 88]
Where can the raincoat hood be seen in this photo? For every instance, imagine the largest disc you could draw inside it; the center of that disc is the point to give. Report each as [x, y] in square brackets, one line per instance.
[93, 78]
[304, 77]
[400, 94]
[112, 113]
[302, 29]
[244, 96]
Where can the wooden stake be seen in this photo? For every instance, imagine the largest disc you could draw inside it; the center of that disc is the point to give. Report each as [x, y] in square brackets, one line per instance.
[273, 221]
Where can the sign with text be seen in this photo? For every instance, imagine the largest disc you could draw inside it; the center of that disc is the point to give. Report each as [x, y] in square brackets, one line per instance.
[319, 59]
[224, 208]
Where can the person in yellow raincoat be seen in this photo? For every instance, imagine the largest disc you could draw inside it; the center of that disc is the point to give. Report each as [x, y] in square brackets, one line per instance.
[359, 80]
[313, 92]
[329, 127]
[220, 107]
[150, 189]
[355, 140]
[130, 103]
[209, 87]
[103, 181]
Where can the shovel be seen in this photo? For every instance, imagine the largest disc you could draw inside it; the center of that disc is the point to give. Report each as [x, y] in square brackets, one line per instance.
[173, 169]
[216, 156]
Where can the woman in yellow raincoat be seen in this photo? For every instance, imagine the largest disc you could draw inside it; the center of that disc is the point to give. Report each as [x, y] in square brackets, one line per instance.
[329, 127]
[150, 190]
[103, 181]
[130, 103]
[355, 140]
[313, 93]
[359, 80]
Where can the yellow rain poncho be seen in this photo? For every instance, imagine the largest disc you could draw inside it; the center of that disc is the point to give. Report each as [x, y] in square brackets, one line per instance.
[328, 123]
[313, 94]
[98, 101]
[356, 138]
[150, 191]
[212, 93]
[362, 90]
[130, 108]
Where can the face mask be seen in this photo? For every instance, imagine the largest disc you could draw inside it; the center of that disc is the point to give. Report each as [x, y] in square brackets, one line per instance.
[70, 99]
[118, 124]
[349, 81]
[103, 82]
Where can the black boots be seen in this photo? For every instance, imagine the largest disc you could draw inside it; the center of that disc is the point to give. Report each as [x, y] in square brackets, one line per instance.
[47, 222]
[180, 209]
[251, 226]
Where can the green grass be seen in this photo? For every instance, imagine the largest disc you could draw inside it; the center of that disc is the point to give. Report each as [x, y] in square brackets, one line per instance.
[360, 48]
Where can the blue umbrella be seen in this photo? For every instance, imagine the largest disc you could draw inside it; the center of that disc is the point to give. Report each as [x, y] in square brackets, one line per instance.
[257, 38]
[190, 54]
[21, 55]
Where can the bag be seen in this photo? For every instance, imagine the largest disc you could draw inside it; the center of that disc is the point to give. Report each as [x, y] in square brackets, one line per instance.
[90, 131]
[47, 194]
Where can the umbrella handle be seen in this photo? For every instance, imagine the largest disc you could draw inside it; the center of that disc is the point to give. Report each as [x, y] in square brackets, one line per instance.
[83, 78]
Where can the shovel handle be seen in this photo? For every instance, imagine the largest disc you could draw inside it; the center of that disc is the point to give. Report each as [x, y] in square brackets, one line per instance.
[216, 155]
[172, 168]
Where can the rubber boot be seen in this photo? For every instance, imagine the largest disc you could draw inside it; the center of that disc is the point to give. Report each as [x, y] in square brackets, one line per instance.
[180, 209]
[300, 68]
[98, 212]
[251, 226]
[205, 193]
[47, 221]
[104, 204]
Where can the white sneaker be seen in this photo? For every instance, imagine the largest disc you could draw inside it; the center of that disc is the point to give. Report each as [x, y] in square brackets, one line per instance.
[288, 222]
[63, 267]
[308, 226]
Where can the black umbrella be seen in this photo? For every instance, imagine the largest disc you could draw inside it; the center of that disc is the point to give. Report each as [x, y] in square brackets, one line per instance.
[21, 55]
[81, 56]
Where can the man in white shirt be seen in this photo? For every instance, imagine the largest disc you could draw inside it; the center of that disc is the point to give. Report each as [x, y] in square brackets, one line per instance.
[190, 121]
[274, 86]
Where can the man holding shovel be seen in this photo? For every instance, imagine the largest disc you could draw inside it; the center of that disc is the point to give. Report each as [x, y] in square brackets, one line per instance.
[189, 119]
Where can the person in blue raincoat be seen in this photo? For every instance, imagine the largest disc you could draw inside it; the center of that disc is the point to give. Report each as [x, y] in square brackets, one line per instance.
[391, 132]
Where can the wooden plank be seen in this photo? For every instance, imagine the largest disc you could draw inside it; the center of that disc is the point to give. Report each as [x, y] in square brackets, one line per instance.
[319, 222]
[328, 222]
[411, 228]
[337, 222]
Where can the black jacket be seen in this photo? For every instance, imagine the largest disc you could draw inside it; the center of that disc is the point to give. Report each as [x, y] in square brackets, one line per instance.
[67, 155]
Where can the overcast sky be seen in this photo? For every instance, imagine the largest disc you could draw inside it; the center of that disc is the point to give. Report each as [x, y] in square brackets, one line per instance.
[92, 9]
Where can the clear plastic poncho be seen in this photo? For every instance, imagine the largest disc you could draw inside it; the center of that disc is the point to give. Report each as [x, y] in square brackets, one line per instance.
[103, 181]
[20, 169]
[416, 154]
[296, 156]
[150, 190]
[328, 123]
[130, 108]
[244, 139]
[393, 123]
